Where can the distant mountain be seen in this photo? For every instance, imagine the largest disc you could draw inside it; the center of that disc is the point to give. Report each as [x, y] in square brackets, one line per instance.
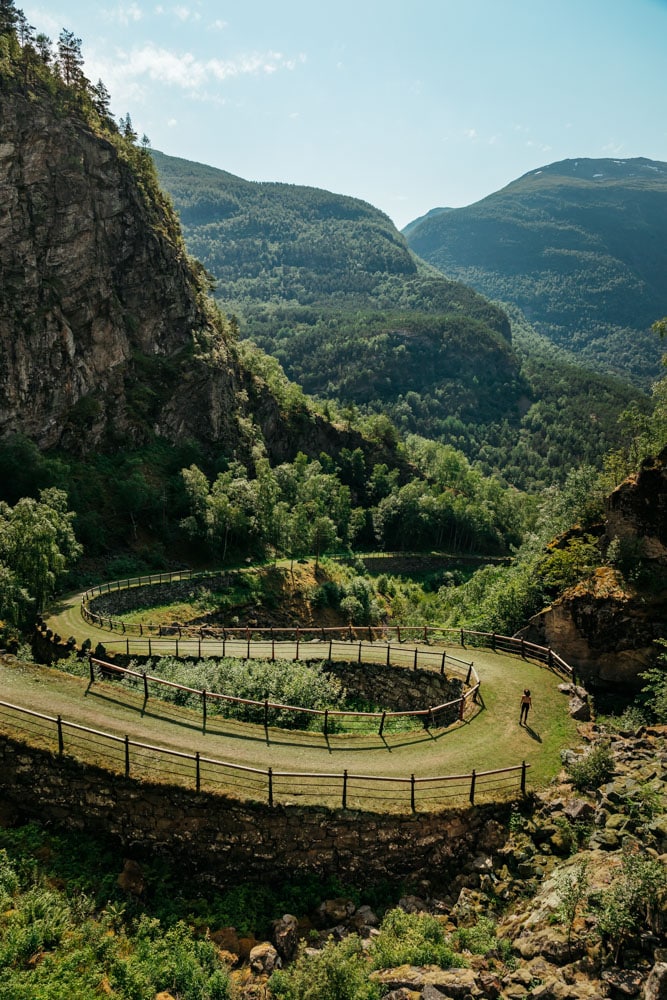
[422, 218]
[328, 285]
[580, 246]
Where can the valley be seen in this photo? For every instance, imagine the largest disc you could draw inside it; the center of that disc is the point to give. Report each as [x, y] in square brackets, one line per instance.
[265, 384]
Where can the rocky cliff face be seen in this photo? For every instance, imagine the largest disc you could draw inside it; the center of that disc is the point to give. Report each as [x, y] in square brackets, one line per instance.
[88, 279]
[106, 336]
[606, 627]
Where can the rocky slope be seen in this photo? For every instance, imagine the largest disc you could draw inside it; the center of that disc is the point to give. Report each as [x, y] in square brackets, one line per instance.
[107, 336]
[607, 626]
[577, 890]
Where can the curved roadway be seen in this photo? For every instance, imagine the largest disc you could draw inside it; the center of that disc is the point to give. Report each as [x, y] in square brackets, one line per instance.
[490, 739]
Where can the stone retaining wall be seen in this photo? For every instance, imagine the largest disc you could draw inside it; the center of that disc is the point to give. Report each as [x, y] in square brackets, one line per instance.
[118, 602]
[216, 835]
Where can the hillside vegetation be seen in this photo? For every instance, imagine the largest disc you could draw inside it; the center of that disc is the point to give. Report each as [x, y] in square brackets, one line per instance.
[326, 285]
[578, 245]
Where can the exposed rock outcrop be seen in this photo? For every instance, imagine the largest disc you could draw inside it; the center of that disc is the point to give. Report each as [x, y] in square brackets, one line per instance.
[107, 336]
[606, 627]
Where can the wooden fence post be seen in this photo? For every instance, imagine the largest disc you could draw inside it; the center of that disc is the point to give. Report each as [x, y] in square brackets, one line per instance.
[412, 792]
[203, 707]
[415, 663]
[270, 777]
[388, 653]
[127, 756]
[330, 645]
[442, 665]
[61, 747]
[523, 777]
[92, 669]
[468, 674]
[384, 716]
[145, 686]
[266, 714]
[198, 772]
[359, 655]
[326, 721]
[345, 789]
[463, 639]
[472, 787]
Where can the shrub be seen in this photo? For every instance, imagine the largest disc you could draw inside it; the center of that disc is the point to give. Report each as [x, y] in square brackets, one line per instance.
[592, 770]
[410, 939]
[479, 939]
[338, 972]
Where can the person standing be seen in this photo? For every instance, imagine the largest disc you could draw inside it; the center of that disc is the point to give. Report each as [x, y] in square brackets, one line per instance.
[526, 705]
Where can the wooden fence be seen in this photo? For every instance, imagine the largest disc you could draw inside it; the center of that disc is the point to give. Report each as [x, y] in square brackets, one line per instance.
[338, 790]
[426, 634]
[432, 716]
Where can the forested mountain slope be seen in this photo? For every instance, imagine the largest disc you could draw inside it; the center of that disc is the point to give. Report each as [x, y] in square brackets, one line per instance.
[327, 285]
[580, 246]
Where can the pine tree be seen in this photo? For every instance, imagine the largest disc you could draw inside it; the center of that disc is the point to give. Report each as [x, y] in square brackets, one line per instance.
[43, 45]
[70, 59]
[101, 99]
[8, 17]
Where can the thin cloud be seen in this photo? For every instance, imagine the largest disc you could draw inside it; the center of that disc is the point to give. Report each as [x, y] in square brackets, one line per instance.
[186, 13]
[192, 74]
[124, 14]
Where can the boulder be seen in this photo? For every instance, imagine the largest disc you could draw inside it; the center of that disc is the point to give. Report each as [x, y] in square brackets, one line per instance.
[264, 959]
[286, 936]
[655, 987]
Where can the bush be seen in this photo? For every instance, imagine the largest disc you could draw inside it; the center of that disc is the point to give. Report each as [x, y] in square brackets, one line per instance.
[410, 939]
[338, 972]
[593, 769]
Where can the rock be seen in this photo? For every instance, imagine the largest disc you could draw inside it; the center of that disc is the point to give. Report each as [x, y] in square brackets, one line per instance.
[579, 709]
[623, 982]
[226, 939]
[334, 911]
[286, 936]
[363, 921]
[264, 959]
[131, 879]
[655, 987]
[489, 984]
[413, 904]
[579, 810]
[606, 840]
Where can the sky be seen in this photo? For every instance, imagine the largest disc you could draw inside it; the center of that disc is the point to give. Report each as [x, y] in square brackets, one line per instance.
[407, 104]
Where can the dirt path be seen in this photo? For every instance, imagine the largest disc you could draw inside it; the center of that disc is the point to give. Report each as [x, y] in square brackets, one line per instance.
[491, 739]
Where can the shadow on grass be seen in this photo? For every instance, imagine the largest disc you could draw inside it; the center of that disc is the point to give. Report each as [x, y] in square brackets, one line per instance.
[531, 732]
[217, 725]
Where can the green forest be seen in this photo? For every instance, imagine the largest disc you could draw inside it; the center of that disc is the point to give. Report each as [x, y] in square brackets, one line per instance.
[470, 447]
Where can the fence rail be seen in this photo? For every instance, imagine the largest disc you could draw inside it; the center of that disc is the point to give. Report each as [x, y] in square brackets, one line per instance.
[433, 715]
[346, 789]
[426, 634]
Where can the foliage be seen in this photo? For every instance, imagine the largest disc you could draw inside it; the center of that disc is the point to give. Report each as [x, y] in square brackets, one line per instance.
[479, 939]
[337, 972]
[572, 891]
[282, 681]
[631, 903]
[37, 543]
[593, 769]
[410, 939]
[55, 945]
[563, 245]
[653, 695]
